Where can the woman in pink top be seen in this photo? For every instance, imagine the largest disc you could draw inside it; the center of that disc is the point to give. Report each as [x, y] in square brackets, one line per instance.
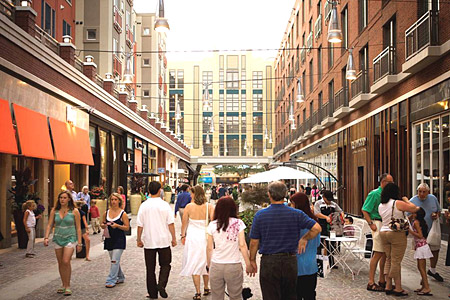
[121, 192]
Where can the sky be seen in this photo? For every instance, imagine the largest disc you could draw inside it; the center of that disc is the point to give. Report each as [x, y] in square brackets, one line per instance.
[223, 25]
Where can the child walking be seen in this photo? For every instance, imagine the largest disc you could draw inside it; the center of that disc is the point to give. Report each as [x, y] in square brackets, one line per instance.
[95, 217]
[29, 221]
[422, 252]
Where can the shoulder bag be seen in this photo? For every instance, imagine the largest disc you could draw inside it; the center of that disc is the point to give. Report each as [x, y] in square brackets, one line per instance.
[398, 225]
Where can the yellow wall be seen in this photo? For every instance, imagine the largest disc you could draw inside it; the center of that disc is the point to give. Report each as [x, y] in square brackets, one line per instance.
[61, 175]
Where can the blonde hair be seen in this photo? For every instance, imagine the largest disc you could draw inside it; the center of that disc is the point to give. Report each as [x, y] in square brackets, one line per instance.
[28, 205]
[118, 196]
[199, 195]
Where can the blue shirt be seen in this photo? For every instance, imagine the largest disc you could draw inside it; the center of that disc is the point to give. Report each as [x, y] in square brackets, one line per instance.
[183, 199]
[278, 228]
[306, 262]
[85, 197]
[430, 205]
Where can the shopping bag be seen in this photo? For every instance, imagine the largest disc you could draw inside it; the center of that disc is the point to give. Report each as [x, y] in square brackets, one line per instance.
[369, 245]
[323, 265]
[434, 236]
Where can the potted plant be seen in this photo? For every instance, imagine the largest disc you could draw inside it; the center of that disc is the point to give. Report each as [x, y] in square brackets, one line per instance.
[20, 193]
[254, 199]
[136, 185]
[98, 194]
[167, 193]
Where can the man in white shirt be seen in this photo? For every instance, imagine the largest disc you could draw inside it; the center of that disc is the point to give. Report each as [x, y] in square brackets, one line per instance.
[156, 232]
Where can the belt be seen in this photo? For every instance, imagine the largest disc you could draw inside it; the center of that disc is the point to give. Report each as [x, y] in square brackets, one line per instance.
[281, 254]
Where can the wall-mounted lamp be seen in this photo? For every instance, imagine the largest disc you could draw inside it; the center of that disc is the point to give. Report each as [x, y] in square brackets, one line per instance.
[71, 115]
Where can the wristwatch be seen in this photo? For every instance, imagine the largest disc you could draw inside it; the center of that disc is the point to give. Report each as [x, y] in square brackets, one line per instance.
[370, 223]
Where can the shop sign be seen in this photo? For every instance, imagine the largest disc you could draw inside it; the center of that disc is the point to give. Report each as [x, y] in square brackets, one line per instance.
[161, 170]
[361, 142]
[205, 180]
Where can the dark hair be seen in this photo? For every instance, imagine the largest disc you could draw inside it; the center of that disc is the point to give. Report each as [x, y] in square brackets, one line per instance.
[314, 187]
[154, 187]
[301, 202]
[420, 216]
[328, 194]
[390, 191]
[71, 204]
[350, 219]
[184, 187]
[225, 209]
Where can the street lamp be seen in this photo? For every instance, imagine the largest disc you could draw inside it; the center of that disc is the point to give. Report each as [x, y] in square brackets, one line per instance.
[350, 73]
[300, 96]
[266, 135]
[270, 137]
[161, 23]
[207, 142]
[291, 113]
[127, 76]
[334, 30]
[211, 125]
[206, 95]
[178, 111]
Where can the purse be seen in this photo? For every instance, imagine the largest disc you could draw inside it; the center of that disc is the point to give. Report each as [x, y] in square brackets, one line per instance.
[106, 234]
[398, 225]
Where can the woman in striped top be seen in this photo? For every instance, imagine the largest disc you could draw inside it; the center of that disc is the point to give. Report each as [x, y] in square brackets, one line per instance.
[66, 237]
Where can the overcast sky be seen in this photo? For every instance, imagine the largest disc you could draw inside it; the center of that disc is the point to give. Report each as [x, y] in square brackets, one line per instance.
[223, 24]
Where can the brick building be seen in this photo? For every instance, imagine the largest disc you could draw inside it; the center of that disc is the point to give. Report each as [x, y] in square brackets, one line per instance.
[392, 118]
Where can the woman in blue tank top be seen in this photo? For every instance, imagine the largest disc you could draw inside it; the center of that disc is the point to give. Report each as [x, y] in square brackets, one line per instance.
[116, 220]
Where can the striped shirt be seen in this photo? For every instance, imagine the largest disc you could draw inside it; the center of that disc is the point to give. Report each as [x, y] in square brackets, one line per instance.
[278, 228]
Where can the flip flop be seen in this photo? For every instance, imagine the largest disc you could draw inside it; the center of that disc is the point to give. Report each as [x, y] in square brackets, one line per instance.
[61, 290]
[417, 290]
[67, 292]
[424, 294]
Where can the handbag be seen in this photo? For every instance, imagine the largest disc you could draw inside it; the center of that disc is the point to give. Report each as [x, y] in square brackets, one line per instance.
[398, 225]
[434, 236]
[106, 234]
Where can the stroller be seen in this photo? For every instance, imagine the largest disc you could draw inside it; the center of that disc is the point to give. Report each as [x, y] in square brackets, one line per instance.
[246, 293]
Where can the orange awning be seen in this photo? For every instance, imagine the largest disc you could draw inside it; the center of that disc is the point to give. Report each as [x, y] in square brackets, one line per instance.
[7, 132]
[71, 143]
[34, 136]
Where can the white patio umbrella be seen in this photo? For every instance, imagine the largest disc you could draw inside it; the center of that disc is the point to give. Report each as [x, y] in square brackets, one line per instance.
[277, 174]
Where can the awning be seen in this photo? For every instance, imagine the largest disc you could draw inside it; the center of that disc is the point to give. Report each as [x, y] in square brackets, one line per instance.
[8, 134]
[34, 136]
[71, 143]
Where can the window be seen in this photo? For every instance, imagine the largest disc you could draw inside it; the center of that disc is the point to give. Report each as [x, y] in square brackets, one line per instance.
[243, 79]
[172, 103]
[362, 14]
[233, 145]
[221, 79]
[221, 125]
[128, 18]
[257, 102]
[257, 124]
[344, 22]
[47, 18]
[389, 32]
[232, 102]
[257, 80]
[207, 77]
[304, 115]
[232, 79]
[330, 55]
[319, 63]
[146, 94]
[257, 146]
[221, 102]
[243, 124]
[311, 76]
[319, 101]
[206, 124]
[146, 31]
[180, 78]
[232, 124]
[171, 79]
[304, 82]
[330, 95]
[363, 66]
[67, 29]
[146, 62]
[91, 34]
[243, 102]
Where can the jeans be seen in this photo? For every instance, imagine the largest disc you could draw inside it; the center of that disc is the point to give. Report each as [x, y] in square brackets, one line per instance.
[229, 275]
[306, 287]
[165, 258]
[278, 277]
[115, 272]
[31, 238]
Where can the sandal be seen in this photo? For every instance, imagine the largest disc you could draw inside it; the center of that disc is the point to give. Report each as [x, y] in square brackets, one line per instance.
[206, 292]
[61, 290]
[67, 292]
[197, 296]
[425, 293]
[400, 294]
[382, 284]
[374, 288]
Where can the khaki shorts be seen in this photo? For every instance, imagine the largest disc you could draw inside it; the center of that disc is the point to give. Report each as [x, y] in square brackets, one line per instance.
[377, 242]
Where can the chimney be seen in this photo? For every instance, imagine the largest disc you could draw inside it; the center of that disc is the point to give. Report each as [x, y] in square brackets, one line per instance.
[89, 67]
[144, 112]
[152, 119]
[108, 84]
[132, 104]
[67, 50]
[123, 97]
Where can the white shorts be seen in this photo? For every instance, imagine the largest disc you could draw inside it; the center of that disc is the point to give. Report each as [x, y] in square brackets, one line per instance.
[69, 245]
[377, 242]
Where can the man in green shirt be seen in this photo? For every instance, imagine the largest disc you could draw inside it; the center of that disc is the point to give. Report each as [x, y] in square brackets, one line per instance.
[370, 213]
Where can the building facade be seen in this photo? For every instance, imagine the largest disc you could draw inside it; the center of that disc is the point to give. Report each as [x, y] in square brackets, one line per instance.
[222, 107]
[392, 118]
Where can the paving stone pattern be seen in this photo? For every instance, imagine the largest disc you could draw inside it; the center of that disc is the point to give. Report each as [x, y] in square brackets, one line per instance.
[24, 278]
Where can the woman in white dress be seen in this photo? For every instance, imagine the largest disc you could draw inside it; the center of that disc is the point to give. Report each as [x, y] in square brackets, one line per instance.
[196, 217]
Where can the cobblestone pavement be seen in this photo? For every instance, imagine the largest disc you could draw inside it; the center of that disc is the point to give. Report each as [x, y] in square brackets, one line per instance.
[38, 278]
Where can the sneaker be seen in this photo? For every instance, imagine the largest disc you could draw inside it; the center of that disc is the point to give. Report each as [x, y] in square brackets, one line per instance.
[436, 276]
[162, 292]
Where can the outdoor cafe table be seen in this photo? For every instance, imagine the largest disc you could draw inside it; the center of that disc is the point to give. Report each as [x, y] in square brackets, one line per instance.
[340, 247]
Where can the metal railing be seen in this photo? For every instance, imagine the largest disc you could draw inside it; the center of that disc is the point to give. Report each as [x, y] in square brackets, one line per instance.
[309, 41]
[422, 33]
[46, 39]
[384, 63]
[360, 85]
[79, 64]
[7, 8]
[316, 118]
[307, 124]
[117, 19]
[99, 80]
[117, 66]
[328, 7]
[328, 109]
[303, 55]
[341, 99]
[318, 26]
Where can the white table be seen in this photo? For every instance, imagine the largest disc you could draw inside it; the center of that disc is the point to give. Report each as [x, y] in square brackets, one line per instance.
[341, 250]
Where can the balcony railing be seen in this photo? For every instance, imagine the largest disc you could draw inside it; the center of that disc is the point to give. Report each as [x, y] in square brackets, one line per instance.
[46, 39]
[303, 55]
[117, 64]
[99, 80]
[79, 64]
[297, 65]
[309, 41]
[341, 99]
[7, 8]
[117, 19]
[318, 26]
[422, 34]
[360, 85]
[316, 118]
[307, 124]
[384, 63]
[130, 37]
[328, 109]
[328, 7]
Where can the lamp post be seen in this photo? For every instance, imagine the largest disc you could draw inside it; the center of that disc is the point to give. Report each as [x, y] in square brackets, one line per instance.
[161, 23]
[300, 96]
[350, 72]
[334, 30]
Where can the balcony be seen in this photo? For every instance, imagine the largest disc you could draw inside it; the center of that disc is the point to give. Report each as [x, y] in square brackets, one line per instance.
[327, 114]
[309, 41]
[117, 65]
[297, 65]
[421, 41]
[46, 39]
[360, 90]
[328, 7]
[7, 8]
[129, 37]
[316, 121]
[384, 64]
[318, 27]
[307, 127]
[303, 54]
[341, 103]
[117, 19]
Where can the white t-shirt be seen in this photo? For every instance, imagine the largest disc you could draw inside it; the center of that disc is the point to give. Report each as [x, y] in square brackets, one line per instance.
[154, 216]
[31, 220]
[226, 249]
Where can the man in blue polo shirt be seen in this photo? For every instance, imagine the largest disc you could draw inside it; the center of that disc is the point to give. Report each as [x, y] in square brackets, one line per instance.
[183, 199]
[276, 233]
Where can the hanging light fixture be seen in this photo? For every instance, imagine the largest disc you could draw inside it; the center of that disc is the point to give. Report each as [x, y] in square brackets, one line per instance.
[178, 111]
[206, 97]
[245, 145]
[127, 76]
[334, 30]
[350, 73]
[225, 151]
[266, 134]
[179, 130]
[161, 23]
[211, 125]
[291, 113]
[256, 154]
[265, 148]
[207, 142]
[203, 150]
[270, 137]
[293, 127]
[300, 96]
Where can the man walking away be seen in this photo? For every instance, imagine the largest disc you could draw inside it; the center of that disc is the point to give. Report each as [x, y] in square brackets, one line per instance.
[183, 199]
[276, 233]
[156, 232]
[373, 218]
